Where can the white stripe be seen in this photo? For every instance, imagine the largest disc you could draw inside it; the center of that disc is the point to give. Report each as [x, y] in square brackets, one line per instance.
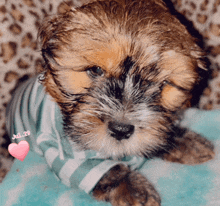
[56, 132]
[50, 155]
[66, 182]
[92, 178]
[38, 99]
[46, 116]
[79, 155]
[33, 99]
[68, 169]
[65, 199]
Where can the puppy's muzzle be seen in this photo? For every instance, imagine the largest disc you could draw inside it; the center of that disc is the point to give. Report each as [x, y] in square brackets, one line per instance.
[120, 130]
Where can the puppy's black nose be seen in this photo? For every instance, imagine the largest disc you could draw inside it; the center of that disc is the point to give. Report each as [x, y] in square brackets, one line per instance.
[120, 131]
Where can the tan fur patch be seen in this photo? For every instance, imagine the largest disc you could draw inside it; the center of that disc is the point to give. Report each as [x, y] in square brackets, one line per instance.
[108, 56]
[74, 81]
[178, 68]
[172, 97]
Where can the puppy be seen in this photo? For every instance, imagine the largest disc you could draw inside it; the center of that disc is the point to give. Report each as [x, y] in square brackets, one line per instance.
[121, 72]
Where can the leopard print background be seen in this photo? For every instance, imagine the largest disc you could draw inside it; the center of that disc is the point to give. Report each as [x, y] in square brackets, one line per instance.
[20, 54]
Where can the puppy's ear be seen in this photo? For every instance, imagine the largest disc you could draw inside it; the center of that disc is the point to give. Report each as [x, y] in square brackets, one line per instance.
[199, 56]
[47, 35]
[64, 7]
[52, 33]
[203, 75]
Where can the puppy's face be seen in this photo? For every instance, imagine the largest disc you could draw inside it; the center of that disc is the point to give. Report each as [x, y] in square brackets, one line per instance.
[120, 72]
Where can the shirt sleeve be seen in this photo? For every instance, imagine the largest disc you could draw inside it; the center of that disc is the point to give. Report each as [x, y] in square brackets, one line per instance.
[82, 173]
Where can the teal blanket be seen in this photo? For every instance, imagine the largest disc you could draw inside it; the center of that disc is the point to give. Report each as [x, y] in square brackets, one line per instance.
[31, 182]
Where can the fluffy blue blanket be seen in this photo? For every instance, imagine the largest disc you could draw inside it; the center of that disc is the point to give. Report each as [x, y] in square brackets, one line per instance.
[32, 183]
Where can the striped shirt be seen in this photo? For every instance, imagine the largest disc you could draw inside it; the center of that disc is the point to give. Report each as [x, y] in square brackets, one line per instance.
[32, 115]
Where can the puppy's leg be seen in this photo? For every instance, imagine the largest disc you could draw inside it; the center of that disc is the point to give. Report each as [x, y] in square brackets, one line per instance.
[123, 187]
[190, 149]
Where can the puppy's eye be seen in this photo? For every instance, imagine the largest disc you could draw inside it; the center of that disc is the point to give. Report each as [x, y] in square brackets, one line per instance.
[95, 71]
[163, 84]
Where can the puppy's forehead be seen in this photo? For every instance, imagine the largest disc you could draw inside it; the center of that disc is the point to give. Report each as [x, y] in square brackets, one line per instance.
[111, 55]
[108, 56]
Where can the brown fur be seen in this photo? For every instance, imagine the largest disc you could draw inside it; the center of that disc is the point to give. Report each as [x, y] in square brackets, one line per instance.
[191, 149]
[121, 186]
[130, 62]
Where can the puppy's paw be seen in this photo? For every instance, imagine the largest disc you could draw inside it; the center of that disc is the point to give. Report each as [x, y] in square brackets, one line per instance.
[191, 149]
[123, 187]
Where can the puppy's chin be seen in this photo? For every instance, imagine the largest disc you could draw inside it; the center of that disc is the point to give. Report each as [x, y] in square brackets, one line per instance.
[129, 62]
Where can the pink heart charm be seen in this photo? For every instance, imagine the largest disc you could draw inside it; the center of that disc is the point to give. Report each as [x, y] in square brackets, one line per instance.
[19, 150]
